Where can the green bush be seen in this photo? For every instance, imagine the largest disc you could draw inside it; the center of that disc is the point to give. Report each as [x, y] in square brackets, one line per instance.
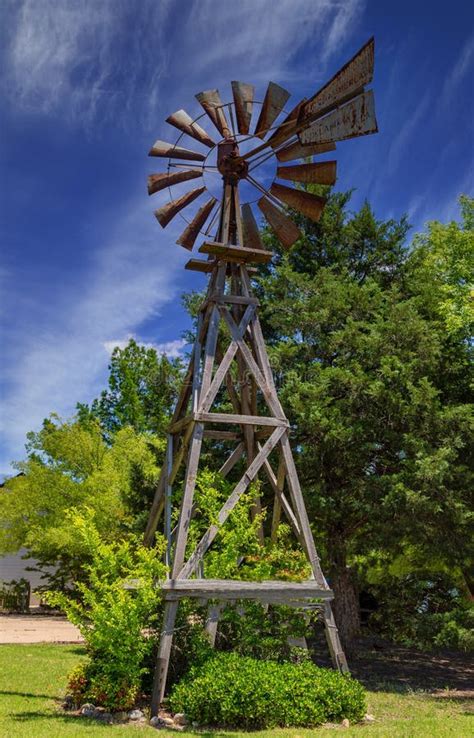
[231, 690]
[114, 620]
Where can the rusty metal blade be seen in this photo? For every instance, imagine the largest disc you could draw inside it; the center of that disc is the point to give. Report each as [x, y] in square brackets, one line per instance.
[168, 211]
[189, 235]
[185, 123]
[162, 148]
[323, 172]
[298, 151]
[284, 228]
[310, 205]
[346, 84]
[157, 182]
[356, 118]
[211, 101]
[273, 104]
[243, 101]
[251, 233]
[287, 127]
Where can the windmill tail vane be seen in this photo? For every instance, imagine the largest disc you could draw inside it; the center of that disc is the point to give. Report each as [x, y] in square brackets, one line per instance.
[229, 364]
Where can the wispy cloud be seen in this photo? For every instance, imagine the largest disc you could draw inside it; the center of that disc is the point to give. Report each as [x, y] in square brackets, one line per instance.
[88, 63]
[172, 349]
[65, 56]
[458, 72]
[56, 363]
[401, 141]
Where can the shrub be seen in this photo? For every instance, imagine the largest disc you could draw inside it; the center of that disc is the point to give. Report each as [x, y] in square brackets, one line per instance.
[112, 618]
[231, 690]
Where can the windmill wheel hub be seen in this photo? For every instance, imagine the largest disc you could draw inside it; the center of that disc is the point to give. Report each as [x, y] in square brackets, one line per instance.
[229, 164]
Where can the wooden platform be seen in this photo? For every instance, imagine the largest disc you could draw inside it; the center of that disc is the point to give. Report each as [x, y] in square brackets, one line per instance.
[238, 254]
[224, 589]
[198, 265]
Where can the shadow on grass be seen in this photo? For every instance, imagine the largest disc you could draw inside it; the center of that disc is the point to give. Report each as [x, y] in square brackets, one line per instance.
[382, 666]
[26, 694]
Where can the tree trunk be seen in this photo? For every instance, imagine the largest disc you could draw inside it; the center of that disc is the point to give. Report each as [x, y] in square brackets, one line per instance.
[346, 601]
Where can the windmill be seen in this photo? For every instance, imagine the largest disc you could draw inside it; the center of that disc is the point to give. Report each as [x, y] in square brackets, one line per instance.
[229, 354]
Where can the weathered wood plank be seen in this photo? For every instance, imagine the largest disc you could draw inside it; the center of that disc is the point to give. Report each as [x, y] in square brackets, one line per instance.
[232, 460]
[239, 419]
[240, 253]
[233, 589]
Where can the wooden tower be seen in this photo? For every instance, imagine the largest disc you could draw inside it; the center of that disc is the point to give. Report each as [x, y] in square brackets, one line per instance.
[229, 355]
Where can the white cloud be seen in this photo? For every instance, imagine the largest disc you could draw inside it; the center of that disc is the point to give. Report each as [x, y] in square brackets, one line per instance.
[172, 349]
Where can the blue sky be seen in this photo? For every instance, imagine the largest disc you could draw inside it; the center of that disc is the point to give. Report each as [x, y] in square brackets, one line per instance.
[85, 88]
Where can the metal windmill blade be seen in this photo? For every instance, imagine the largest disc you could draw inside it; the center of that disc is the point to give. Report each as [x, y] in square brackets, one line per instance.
[170, 151]
[251, 232]
[323, 172]
[157, 182]
[305, 202]
[273, 103]
[211, 101]
[189, 235]
[287, 127]
[168, 211]
[183, 122]
[298, 151]
[243, 102]
[346, 84]
[282, 225]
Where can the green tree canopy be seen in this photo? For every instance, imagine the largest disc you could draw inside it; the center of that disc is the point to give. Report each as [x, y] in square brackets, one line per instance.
[369, 343]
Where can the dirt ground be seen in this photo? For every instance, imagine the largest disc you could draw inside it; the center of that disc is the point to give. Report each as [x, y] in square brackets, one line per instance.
[37, 629]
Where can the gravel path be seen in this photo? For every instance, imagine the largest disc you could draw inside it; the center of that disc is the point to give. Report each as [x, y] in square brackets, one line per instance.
[37, 629]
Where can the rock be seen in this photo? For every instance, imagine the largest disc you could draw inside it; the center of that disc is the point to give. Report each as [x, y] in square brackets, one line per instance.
[121, 717]
[87, 709]
[99, 710]
[136, 715]
[368, 718]
[162, 722]
[68, 703]
[104, 717]
[345, 723]
[180, 718]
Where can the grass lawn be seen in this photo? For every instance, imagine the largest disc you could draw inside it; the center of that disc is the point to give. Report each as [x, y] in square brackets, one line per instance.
[33, 677]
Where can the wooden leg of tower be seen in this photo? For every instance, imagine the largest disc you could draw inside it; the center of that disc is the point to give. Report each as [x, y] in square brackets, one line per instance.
[332, 634]
[333, 640]
[163, 659]
[212, 622]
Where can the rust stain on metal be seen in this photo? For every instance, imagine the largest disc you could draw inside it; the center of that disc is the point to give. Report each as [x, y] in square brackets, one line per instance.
[185, 123]
[285, 230]
[310, 205]
[356, 118]
[287, 127]
[162, 148]
[251, 232]
[323, 172]
[243, 101]
[298, 151]
[157, 182]
[189, 235]
[273, 104]
[346, 84]
[211, 101]
[168, 211]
